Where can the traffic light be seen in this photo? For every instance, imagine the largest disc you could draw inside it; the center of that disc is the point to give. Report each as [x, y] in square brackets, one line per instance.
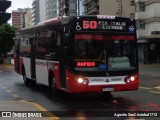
[4, 17]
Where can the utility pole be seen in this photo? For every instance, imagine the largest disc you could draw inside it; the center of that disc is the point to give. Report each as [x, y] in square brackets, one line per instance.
[78, 7]
[120, 8]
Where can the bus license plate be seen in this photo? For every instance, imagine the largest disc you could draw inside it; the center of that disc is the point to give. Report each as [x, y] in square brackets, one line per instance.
[108, 89]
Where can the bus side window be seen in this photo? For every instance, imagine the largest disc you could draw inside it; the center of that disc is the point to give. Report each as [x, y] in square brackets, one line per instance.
[42, 43]
[25, 47]
[53, 46]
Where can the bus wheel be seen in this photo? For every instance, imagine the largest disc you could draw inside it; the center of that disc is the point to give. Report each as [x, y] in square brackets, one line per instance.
[25, 79]
[52, 84]
[33, 83]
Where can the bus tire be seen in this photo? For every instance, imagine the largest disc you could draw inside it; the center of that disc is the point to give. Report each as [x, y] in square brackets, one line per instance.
[52, 84]
[33, 83]
[25, 79]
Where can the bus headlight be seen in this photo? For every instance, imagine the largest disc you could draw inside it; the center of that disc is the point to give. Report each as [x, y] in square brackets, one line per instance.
[131, 78]
[80, 80]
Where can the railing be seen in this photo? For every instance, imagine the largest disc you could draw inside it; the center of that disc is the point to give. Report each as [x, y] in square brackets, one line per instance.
[86, 1]
[92, 10]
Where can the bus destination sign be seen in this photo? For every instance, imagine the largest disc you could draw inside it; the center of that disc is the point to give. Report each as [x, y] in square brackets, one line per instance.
[101, 25]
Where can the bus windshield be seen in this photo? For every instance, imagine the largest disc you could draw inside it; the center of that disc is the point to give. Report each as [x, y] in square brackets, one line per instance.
[98, 52]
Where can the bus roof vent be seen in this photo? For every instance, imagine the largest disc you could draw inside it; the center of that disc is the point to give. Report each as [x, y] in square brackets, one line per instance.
[51, 20]
[105, 17]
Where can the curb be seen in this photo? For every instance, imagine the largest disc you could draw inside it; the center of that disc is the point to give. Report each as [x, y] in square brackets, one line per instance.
[7, 65]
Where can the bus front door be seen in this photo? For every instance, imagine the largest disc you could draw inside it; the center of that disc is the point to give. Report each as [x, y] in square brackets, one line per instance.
[62, 71]
[33, 70]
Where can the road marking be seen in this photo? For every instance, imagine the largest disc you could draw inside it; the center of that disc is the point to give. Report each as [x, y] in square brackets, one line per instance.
[158, 87]
[134, 119]
[155, 75]
[35, 105]
[103, 103]
[150, 73]
[154, 92]
[9, 91]
[4, 87]
[142, 73]
[15, 95]
[42, 109]
[145, 88]
[7, 65]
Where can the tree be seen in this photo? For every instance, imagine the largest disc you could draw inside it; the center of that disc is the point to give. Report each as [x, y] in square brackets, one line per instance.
[7, 34]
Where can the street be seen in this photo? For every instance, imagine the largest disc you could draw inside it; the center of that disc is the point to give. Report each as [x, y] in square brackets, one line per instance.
[87, 106]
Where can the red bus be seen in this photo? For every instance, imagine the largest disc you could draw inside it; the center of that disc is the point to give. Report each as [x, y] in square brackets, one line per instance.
[80, 54]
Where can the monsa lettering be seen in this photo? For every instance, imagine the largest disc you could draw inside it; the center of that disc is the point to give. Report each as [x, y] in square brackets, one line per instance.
[41, 63]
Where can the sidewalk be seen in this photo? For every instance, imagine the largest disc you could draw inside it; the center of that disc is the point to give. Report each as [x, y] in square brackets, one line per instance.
[151, 64]
[18, 110]
[22, 109]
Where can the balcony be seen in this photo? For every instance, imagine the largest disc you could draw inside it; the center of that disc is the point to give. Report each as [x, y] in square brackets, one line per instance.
[136, 1]
[140, 15]
[132, 2]
[91, 10]
[85, 2]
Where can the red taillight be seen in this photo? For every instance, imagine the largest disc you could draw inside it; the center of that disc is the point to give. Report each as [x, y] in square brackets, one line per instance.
[131, 78]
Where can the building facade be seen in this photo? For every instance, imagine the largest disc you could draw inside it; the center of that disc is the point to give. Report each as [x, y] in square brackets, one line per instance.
[38, 11]
[80, 7]
[21, 18]
[147, 16]
[28, 18]
[109, 7]
[67, 7]
[52, 9]
[16, 19]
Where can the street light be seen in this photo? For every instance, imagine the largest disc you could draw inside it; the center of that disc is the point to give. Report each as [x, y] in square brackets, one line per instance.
[78, 7]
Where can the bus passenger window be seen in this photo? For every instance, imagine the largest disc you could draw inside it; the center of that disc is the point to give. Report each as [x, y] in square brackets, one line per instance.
[41, 46]
[52, 47]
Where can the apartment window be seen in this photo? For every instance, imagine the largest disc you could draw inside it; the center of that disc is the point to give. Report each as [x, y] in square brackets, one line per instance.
[132, 2]
[140, 6]
[132, 15]
[141, 24]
